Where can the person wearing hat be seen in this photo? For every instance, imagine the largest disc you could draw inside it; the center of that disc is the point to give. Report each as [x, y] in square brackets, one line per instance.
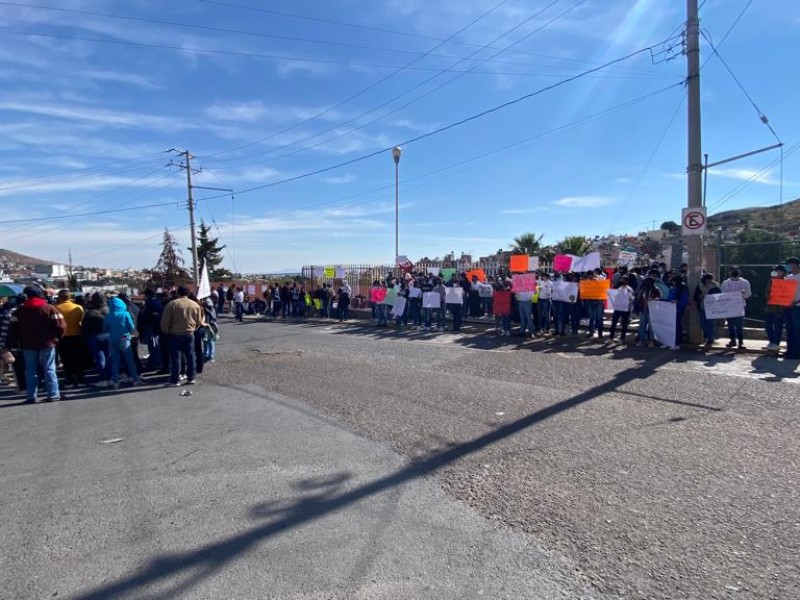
[706, 287]
[36, 327]
[791, 314]
[72, 347]
[773, 314]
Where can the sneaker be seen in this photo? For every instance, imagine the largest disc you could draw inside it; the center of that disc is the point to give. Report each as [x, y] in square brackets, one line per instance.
[190, 382]
[742, 346]
[137, 382]
[170, 384]
[730, 345]
[181, 377]
[104, 383]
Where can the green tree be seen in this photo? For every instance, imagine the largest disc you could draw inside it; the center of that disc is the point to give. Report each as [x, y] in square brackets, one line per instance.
[527, 243]
[574, 244]
[169, 270]
[670, 226]
[209, 252]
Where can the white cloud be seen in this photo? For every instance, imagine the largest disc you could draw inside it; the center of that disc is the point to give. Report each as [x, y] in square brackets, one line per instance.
[623, 180]
[121, 77]
[97, 115]
[83, 183]
[339, 179]
[522, 211]
[249, 111]
[756, 176]
[583, 201]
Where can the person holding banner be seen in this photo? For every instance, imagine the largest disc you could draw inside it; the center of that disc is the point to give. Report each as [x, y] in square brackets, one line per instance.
[621, 300]
[646, 292]
[736, 283]
[545, 289]
[792, 313]
[706, 287]
[773, 314]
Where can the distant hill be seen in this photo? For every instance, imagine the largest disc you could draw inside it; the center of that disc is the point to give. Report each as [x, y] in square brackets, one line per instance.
[784, 218]
[9, 259]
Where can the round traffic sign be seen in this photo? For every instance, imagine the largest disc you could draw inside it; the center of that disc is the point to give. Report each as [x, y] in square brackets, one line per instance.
[694, 220]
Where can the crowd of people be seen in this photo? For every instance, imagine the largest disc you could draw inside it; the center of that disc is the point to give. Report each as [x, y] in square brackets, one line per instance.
[399, 300]
[96, 339]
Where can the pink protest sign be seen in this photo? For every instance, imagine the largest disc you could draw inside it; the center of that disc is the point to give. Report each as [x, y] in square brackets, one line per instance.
[562, 263]
[524, 283]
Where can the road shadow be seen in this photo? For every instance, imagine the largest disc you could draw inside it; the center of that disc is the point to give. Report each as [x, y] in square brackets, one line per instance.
[321, 497]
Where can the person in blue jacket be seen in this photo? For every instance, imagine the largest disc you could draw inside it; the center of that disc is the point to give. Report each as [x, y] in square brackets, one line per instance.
[119, 326]
[679, 295]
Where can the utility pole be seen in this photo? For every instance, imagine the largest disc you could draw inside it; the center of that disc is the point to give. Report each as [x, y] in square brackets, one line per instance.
[187, 165]
[694, 243]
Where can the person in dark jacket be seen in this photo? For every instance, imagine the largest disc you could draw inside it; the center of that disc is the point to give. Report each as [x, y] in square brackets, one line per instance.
[149, 330]
[36, 327]
[93, 330]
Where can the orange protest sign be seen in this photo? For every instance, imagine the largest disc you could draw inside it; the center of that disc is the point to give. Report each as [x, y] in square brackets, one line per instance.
[479, 273]
[518, 263]
[594, 289]
[782, 291]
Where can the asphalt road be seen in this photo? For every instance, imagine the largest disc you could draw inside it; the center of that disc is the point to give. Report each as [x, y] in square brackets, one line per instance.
[340, 461]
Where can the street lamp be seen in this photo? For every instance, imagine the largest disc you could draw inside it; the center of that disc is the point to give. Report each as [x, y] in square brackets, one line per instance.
[397, 151]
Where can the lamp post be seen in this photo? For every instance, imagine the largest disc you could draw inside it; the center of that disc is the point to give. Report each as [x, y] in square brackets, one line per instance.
[397, 151]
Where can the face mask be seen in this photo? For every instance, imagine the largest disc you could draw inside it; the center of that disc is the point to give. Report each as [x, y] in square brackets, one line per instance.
[773, 274]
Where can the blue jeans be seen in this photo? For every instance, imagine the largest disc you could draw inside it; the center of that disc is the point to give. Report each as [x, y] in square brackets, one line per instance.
[525, 319]
[181, 346]
[574, 316]
[46, 360]
[455, 310]
[440, 317]
[239, 311]
[209, 345]
[381, 312]
[427, 316]
[115, 353]
[415, 308]
[736, 329]
[708, 328]
[97, 348]
[545, 305]
[505, 323]
[486, 305]
[594, 308]
[774, 326]
[560, 315]
[792, 318]
[644, 327]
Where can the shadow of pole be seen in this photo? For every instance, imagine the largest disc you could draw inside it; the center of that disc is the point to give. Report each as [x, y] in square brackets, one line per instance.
[214, 556]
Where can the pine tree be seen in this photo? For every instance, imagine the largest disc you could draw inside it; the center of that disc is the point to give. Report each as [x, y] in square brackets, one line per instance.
[169, 269]
[209, 252]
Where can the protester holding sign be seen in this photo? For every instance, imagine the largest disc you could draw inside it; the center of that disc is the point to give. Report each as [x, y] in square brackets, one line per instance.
[706, 287]
[621, 300]
[773, 314]
[545, 301]
[736, 284]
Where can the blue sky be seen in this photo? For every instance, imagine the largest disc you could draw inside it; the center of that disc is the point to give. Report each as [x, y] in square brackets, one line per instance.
[92, 96]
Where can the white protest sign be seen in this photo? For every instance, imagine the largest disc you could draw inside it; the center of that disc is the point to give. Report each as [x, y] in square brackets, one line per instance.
[565, 291]
[485, 290]
[663, 319]
[455, 295]
[399, 307]
[582, 264]
[431, 300]
[204, 290]
[434, 271]
[251, 289]
[414, 292]
[626, 258]
[533, 263]
[723, 306]
[339, 272]
[620, 300]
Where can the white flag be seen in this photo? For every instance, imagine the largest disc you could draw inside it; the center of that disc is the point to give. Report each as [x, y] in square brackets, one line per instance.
[204, 289]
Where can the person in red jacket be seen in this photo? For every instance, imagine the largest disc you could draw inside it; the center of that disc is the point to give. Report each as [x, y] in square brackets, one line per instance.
[36, 328]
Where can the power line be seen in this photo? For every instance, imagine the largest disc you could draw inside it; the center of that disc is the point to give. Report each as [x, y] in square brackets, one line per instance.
[364, 90]
[451, 125]
[392, 31]
[762, 117]
[478, 157]
[426, 94]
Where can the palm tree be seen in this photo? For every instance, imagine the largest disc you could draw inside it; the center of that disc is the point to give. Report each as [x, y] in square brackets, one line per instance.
[528, 244]
[576, 245]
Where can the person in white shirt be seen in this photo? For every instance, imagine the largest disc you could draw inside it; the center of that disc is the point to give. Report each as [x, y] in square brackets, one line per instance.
[623, 317]
[238, 301]
[734, 284]
[545, 304]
